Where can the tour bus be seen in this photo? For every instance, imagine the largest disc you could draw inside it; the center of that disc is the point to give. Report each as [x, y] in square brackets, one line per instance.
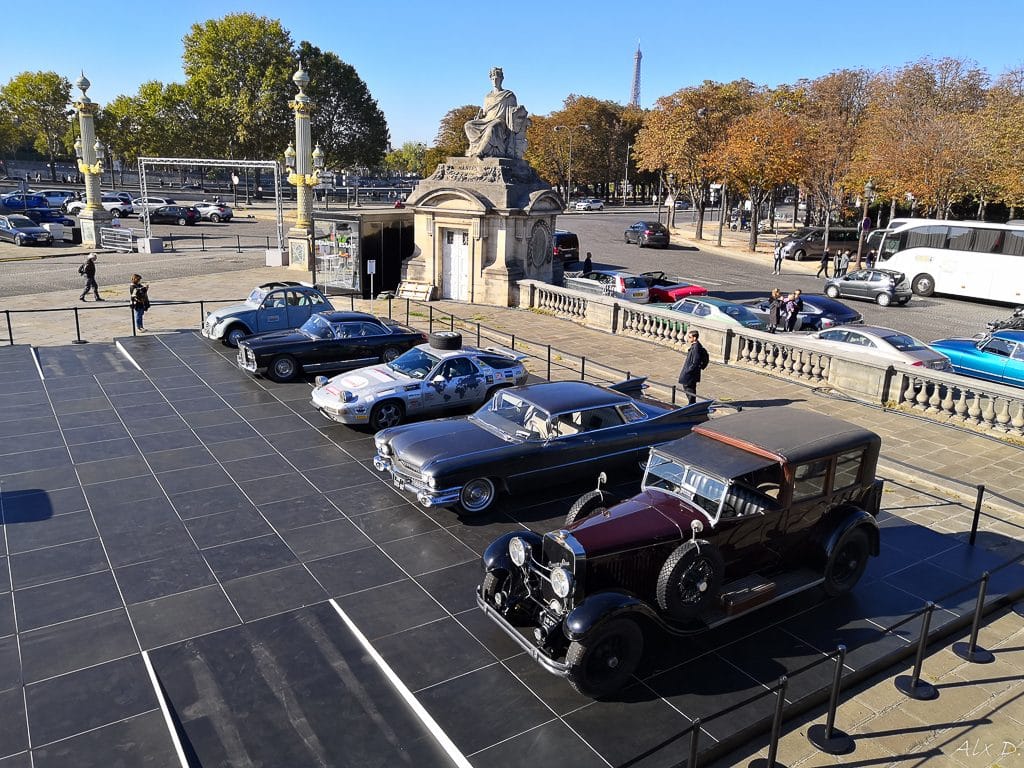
[973, 259]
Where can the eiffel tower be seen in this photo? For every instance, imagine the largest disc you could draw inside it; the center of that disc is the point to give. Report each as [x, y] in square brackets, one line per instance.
[634, 97]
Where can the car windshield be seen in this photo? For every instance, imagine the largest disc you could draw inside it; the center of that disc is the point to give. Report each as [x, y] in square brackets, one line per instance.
[512, 418]
[318, 328]
[634, 282]
[686, 482]
[742, 314]
[21, 221]
[256, 297]
[416, 363]
[904, 343]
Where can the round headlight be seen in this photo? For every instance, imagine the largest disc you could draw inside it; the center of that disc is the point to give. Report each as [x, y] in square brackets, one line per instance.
[384, 449]
[561, 582]
[432, 481]
[518, 551]
[348, 397]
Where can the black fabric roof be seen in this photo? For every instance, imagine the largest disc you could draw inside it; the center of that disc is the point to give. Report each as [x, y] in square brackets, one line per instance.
[714, 456]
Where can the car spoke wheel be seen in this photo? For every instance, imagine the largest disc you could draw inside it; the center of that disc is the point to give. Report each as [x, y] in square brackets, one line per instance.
[182, 222]
[505, 591]
[690, 580]
[283, 368]
[924, 285]
[883, 299]
[215, 218]
[832, 292]
[847, 563]
[605, 659]
[235, 334]
[115, 213]
[387, 414]
[477, 495]
[390, 353]
[587, 504]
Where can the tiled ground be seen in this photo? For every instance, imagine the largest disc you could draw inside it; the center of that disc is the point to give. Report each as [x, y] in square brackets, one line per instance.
[204, 517]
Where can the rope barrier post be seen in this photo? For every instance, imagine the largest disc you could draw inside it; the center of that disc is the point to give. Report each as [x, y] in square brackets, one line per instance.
[202, 312]
[478, 334]
[827, 737]
[549, 362]
[352, 302]
[912, 685]
[971, 651]
[451, 322]
[78, 330]
[977, 514]
[691, 761]
[202, 242]
[170, 236]
[238, 243]
[430, 323]
[10, 329]
[407, 302]
[391, 300]
[513, 347]
[673, 394]
[773, 745]
[268, 242]
[583, 369]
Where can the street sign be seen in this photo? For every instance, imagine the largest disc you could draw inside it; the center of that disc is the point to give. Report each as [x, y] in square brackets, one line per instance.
[866, 224]
[371, 266]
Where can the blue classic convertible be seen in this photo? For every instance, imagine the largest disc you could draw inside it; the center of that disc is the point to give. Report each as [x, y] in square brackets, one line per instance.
[996, 357]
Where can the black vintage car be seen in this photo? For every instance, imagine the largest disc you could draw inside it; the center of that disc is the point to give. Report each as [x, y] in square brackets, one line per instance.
[527, 436]
[746, 510]
[327, 341]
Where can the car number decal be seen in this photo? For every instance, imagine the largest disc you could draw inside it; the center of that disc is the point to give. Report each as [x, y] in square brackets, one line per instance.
[354, 382]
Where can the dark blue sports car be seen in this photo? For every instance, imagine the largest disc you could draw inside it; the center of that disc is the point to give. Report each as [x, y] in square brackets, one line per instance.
[819, 313]
[995, 357]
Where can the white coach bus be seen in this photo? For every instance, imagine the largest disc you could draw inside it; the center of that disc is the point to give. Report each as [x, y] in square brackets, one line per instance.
[973, 259]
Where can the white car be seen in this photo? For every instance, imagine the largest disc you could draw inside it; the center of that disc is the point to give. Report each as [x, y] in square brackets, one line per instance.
[590, 204]
[610, 282]
[56, 198]
[214, 212]
[141, 203]
[883, 344]
[115, 205]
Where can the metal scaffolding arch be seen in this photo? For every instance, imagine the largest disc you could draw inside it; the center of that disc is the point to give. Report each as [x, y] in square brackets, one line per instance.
[192, 162]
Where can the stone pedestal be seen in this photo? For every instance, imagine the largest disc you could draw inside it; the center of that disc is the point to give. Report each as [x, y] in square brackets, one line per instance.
[481, 224]
[300, 249]
[91, 221]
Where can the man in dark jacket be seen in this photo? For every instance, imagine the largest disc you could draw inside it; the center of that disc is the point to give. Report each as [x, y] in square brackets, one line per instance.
[88, 270]
[826, 257]
[696, 361]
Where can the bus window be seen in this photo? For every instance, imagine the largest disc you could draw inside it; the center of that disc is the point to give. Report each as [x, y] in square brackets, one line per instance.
[890, 245]
[1014, 242]
[926, 237]
[959, 238]
[986, 240]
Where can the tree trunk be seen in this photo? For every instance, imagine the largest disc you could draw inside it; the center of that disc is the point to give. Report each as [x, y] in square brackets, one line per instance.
[892, 209]
[699, 234]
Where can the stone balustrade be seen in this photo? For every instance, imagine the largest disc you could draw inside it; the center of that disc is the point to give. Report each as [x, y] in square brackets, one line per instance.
[981, 405]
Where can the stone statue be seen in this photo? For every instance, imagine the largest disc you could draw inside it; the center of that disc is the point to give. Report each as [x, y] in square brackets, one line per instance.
[499, 129]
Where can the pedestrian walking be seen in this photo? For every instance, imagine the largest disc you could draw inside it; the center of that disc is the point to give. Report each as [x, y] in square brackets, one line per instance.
[826, 258]
[139, 296]
[696, 361]
[836, 261]
[588, 264]
[844, 264]
[796, 306]
[777, 265]
[871, 259]
[88, 271]
[775, 309]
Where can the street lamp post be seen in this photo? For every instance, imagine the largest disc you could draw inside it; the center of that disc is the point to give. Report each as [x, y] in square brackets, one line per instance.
[89, 152]
[570, 129]
[869, 193]
[625, 185]
[303, 169]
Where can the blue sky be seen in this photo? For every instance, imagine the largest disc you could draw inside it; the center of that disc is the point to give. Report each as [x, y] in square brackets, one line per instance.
[421, 58]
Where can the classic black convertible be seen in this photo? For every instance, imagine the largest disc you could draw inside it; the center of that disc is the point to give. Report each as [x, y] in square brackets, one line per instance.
[328, 341]
[527, 436]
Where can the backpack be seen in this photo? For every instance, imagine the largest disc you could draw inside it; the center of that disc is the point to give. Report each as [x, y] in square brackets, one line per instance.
[81, 269]
[705, 358]
[142, 297]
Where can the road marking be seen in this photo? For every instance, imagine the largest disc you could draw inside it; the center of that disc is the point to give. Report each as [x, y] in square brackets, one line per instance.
[35, 359]
[165, 710]
[431, 725]
[130, 358]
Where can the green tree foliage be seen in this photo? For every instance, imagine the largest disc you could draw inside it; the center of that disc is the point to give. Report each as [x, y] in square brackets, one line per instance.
[38, 103]
[346, 120]
[411, 157]
[451, 139]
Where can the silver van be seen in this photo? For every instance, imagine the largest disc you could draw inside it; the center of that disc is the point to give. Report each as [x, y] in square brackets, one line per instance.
[809, 242]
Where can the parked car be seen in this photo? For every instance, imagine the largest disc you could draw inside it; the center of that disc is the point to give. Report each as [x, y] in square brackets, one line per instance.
[647, 233]
[819, 312]
[719, 309]
[883, 286]
[662, 287]
[809, 242]
[124, 197]
[528, 437]
[56, 198]
[609, 282]
[746, 510]
[683, 205]
[21, 230]
[565, 246]
[590, 204]
[48, 216]
[328, 341]
[882, 343]
[173, 214]
[273, 306]
[997, 356]
[152, 203]
[117, 207]
[215, 212]
[428, 380]
[19, 201]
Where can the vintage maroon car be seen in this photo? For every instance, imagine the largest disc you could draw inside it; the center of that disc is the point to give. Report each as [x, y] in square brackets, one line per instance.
[746, 510]
[665, 288]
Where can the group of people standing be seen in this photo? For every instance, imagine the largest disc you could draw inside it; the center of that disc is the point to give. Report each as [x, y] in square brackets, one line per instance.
[138, 292]
[840, 261]
[784, 311]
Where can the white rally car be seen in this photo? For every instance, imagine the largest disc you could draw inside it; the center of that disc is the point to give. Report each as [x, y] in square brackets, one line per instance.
[428, 380]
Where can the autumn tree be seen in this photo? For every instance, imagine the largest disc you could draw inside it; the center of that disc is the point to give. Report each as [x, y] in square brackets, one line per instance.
[683, 133]
[998, 141]
[409, 158]
[39, 104]
[761, 150]
[451, 139]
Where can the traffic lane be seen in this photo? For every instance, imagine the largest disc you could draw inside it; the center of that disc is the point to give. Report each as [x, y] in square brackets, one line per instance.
[743, 277]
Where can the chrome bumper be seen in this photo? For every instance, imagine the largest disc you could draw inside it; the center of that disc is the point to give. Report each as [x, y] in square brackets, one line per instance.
[559, 668]
[426, 496]
[244, 364]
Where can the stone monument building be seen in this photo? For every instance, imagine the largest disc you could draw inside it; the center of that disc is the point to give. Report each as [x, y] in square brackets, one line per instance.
[485, 221]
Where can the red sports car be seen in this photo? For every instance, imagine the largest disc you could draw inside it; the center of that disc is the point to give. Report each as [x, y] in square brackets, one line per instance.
[662, 287]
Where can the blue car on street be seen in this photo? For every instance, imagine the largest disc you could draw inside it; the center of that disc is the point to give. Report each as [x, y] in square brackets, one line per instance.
[995, 357]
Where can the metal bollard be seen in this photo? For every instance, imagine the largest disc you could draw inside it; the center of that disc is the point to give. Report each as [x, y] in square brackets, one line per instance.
[390, 302]
[268, 242]
[691, 761]
[202, 313]
[773, 745]
[971, 651]
[451, 322]
[827, 737]
[549, 362]
[478, 334]
[352, 302]
[583, 369]
[238, 243]
[673, 394]
[78, 330]
[170, 236]
[430, 322]
[202, 242]
[912, 685]
[407, 302]
[513, 345]
[10, 328]
[977, 515]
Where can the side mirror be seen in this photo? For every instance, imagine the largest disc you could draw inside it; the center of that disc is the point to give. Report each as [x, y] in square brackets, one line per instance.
[601, 480]
[320, 380]
[439, 379]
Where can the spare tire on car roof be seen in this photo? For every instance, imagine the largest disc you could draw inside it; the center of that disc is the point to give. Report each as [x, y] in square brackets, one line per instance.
[447, 340]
